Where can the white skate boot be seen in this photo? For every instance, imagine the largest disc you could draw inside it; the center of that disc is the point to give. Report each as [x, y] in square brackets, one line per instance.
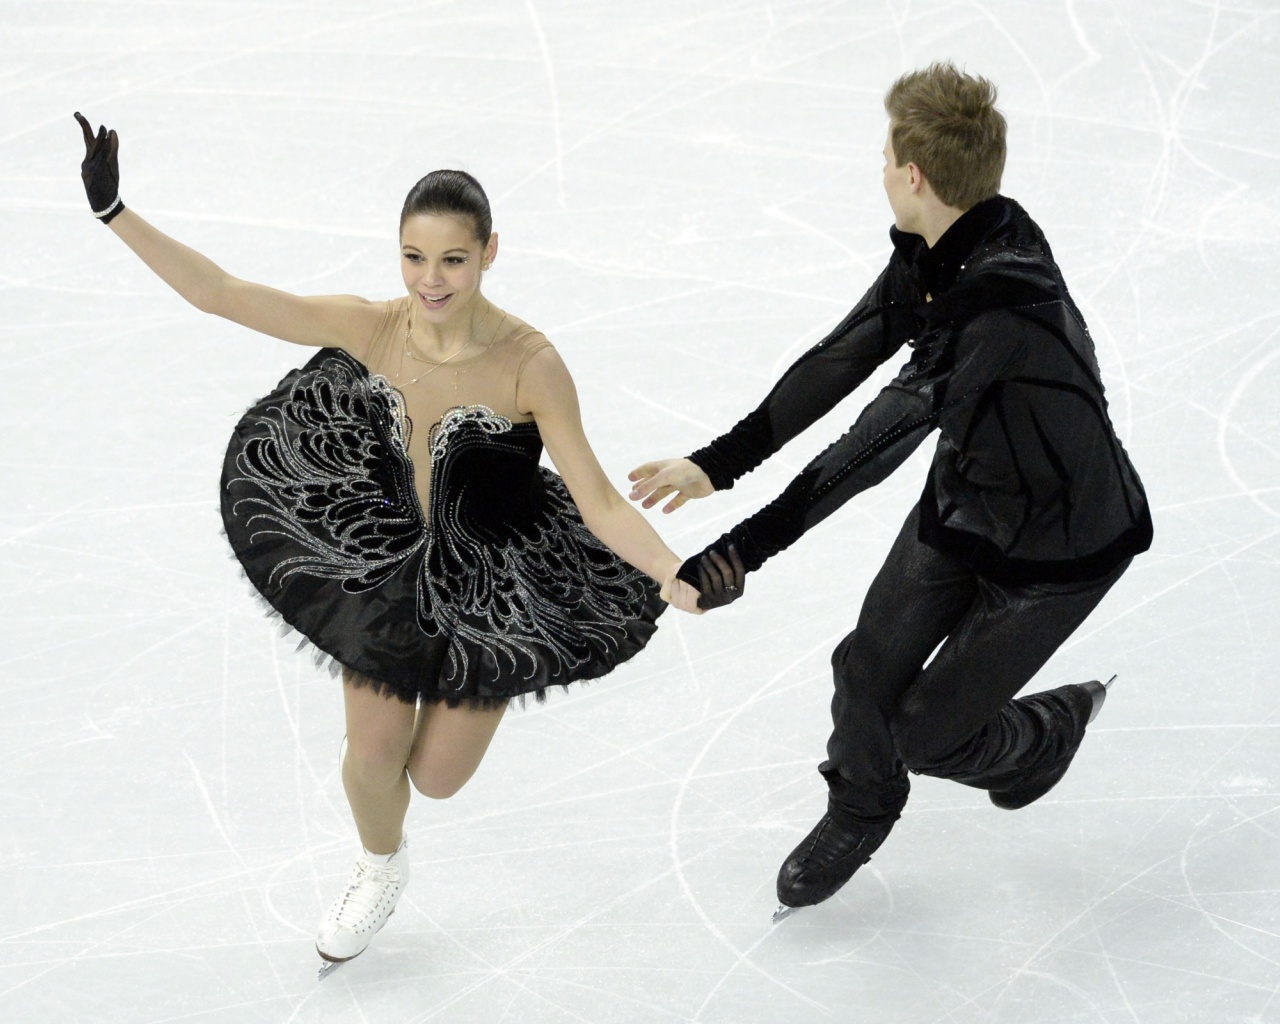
[365, 904]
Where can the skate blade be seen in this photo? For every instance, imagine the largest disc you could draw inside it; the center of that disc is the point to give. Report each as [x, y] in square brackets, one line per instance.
[328, 966]
[783, 912]
[1107, 684]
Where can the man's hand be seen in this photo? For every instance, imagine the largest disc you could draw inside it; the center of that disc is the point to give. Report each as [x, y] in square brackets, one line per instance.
[720, 582]
[655, 480]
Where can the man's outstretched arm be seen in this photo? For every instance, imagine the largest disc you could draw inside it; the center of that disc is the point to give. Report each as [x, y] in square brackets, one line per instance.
[947, 371]
[871, 333]
[890, 428]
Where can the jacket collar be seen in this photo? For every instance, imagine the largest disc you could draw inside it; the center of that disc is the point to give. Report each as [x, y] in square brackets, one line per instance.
[938, 266]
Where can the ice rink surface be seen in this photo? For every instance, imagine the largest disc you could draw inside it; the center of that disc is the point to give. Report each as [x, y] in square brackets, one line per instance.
[688, 195]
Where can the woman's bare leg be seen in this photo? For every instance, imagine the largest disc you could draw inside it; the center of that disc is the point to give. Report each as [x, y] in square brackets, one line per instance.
[380, 735]
[448, 746]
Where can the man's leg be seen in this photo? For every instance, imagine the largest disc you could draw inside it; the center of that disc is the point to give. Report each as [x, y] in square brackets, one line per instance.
[914, 602]
[959, 721]
[912, 605]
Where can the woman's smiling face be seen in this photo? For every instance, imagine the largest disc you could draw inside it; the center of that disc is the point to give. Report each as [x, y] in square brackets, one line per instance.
[441, 261]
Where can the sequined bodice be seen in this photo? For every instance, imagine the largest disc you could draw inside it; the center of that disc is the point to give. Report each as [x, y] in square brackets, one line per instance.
[467, 399]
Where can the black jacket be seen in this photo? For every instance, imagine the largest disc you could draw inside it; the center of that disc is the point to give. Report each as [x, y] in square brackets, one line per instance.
[1029, 482]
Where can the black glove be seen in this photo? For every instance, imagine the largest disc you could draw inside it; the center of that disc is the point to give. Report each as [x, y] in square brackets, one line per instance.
[720, 582]
[100, 170]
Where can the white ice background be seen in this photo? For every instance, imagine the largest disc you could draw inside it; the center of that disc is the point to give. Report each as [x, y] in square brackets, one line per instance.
[688, 195]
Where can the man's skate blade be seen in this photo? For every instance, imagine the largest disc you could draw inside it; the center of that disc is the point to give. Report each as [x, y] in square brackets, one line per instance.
[783, 912]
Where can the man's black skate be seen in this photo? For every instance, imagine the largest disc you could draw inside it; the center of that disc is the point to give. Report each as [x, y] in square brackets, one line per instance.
[826, 859]
[1085, 701]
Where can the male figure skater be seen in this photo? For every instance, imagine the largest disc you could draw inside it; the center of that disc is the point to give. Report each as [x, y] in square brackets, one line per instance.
[1031, 509]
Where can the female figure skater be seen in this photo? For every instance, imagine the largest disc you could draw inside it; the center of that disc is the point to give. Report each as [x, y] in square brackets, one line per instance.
[386, 500]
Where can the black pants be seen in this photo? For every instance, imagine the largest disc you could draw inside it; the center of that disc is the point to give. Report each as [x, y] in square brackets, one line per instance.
[956, 717]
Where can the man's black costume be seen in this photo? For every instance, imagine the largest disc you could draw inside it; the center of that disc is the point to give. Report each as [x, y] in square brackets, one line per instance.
[1030, 512]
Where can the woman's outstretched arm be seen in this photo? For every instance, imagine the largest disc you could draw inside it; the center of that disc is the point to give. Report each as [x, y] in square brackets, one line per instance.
[338, 321]
[547, 391]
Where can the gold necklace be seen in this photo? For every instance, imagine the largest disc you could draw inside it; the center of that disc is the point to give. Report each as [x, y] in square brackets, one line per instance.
[408, 338]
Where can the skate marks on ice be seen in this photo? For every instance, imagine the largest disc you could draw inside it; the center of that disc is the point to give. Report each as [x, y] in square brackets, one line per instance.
[675, 289]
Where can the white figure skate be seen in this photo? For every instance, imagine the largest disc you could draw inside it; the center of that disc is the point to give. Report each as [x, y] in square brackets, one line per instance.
[363, 908]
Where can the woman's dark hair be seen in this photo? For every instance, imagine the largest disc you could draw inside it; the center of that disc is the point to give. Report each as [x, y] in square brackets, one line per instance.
[451, 192]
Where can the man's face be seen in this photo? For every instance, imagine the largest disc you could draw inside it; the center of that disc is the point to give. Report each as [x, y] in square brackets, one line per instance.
[897, 186]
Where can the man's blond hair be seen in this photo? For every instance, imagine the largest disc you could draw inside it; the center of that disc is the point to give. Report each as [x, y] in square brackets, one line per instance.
[946, 123]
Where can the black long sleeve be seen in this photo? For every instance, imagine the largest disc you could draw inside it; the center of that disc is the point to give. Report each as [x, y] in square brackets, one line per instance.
[886, 433]
[873, 331]
[1029, 483]
[947, 372]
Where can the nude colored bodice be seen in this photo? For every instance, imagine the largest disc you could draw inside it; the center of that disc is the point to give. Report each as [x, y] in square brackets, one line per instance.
[487, 375]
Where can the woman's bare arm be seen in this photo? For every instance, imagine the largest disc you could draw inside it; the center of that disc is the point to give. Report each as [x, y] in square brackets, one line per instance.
[338, 321]
[547, 391]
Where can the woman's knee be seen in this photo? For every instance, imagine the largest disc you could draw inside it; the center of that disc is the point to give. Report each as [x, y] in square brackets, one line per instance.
[436, 782]
[379, 732]
[448, 748]
[374, 760]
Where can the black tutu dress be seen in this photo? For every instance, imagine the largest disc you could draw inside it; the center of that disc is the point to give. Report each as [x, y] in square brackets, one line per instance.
[496, 590]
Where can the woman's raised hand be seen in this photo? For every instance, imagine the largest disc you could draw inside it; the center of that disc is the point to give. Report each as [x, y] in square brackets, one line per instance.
[100, 170]
[655, 480]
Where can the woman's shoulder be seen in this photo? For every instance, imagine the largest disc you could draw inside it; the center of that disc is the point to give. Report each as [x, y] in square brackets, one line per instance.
[394, 311]
[521, 336]
[391, 315]
[520, 341]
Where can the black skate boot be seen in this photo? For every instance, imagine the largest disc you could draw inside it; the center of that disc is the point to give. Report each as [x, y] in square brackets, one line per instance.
[826, 859]
[1085, 701]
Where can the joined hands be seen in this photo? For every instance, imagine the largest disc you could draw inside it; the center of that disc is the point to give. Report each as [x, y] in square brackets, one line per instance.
[678, 594]
[721, 581]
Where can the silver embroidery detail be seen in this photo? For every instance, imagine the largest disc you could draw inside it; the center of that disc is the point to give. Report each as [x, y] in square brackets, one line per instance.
[553, 595]
[524, 600]
[314, 473]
